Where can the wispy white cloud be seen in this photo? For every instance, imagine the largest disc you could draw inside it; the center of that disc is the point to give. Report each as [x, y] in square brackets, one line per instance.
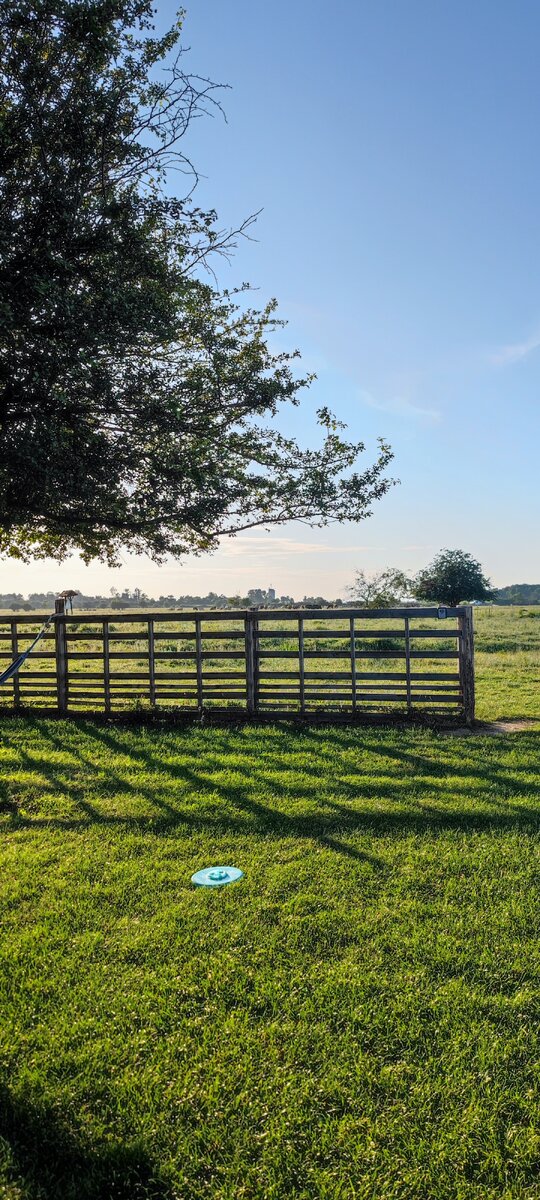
[401, 407]
[515, 351]
[259, 545]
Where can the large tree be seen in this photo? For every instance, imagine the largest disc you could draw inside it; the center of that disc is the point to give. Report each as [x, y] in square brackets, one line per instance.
[452, 578]
[137, 402]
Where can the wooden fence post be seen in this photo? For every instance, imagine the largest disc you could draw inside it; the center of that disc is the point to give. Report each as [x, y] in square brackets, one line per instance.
[352, 635]
[466, 662]
[106, 668]
[60, 643]
[251, 695]
[301, 670]
[199, 665]
[408, 663]
[151, 663]
[256, 660]
[15, 651]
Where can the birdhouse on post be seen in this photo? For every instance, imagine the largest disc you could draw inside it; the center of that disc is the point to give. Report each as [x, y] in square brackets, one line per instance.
[67, 596]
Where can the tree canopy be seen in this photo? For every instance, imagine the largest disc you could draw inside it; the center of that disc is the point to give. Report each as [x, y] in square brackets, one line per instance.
[138, 402]
[452, 578]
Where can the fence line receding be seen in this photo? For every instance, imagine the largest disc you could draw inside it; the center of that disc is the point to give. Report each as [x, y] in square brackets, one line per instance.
[254, 662]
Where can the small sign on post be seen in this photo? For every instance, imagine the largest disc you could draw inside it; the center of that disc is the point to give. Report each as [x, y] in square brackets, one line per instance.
[442, 613]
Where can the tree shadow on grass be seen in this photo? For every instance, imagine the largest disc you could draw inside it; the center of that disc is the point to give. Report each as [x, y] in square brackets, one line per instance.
[416, 773]
[241, 812]
[499, 791]
[44, 1159]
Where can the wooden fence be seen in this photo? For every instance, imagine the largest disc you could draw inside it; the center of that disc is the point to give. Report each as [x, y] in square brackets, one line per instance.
[253, 662]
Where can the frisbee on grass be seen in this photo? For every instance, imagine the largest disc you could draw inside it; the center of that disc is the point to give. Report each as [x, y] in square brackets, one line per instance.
[216, 876]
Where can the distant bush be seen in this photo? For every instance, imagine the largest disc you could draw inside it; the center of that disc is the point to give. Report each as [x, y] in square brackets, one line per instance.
[506, 646]
[380, 645]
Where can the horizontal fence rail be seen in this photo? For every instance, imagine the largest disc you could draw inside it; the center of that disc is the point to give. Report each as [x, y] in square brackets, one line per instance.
[255, 662]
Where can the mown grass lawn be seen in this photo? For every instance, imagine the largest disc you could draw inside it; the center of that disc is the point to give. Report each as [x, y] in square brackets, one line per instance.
[359, 1017]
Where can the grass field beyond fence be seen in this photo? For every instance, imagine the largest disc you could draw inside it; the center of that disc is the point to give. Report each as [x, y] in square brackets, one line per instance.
[359, 1017]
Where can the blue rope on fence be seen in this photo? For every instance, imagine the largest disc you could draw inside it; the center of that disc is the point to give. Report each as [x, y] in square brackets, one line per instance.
[21, 658]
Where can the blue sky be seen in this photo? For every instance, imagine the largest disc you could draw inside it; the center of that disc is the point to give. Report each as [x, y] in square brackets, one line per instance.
[394, 151]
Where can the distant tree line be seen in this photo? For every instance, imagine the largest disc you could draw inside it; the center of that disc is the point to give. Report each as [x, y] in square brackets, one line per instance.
[254, 598]
[519, 593]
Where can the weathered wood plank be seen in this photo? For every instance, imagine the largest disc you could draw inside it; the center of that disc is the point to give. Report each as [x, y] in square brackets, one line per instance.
[256, 663]
[250, 664]
[5, 636]
[36, 654]
[118, 654]
[14, 638]
[352, 634]
[106, 667]
[199, 652]
[84, 637]
[151, 664]
[366, 634]
[61, 652]
[466, 663]
[363, 675]
[408, 660]
[238, 615]
[209, 696]
[209, 674]
[433, 654]
[301, 681]
[36, 618]
[344, 614]
[449, 634]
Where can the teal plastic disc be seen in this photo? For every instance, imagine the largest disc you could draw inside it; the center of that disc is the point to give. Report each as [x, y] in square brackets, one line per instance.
[216, 876]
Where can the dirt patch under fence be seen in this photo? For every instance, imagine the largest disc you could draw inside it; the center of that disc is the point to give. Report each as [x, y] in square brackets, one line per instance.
[491, 728]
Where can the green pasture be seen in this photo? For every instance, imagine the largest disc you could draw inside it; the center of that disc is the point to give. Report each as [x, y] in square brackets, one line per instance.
[358, 1018]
